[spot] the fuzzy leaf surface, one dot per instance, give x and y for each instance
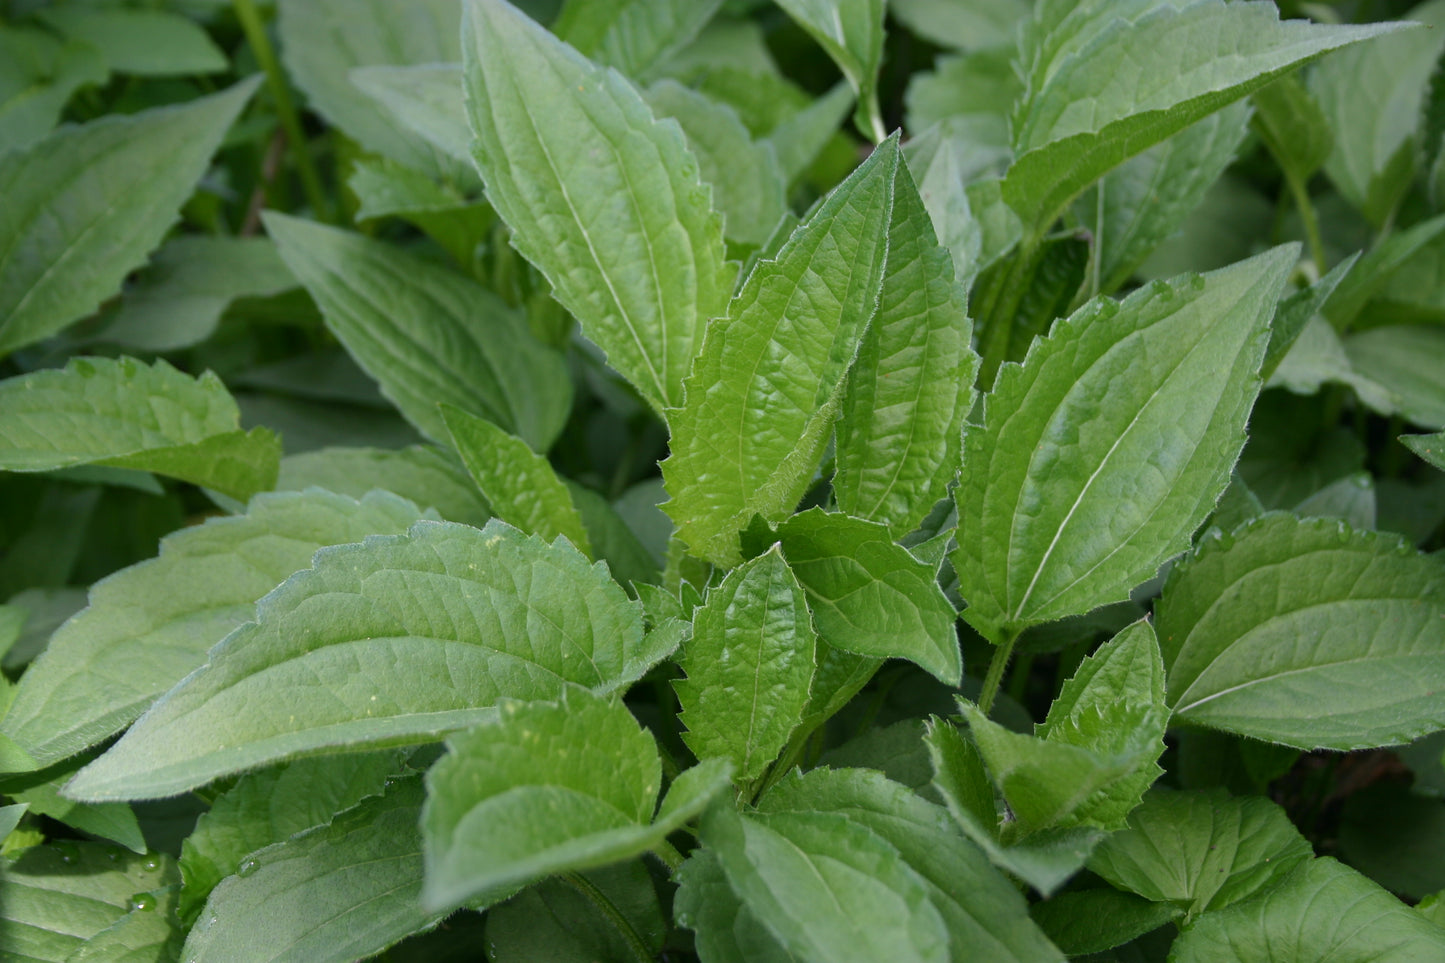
(749, 666)
(126, 414)
(394, 641)
(428, 335)
(604, 199)
(146, 626)
(762, 396)
(1429, 447)
(1263, 630)
(1081, 483)
(85, 206)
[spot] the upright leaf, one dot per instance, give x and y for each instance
(1056, 516)
(85, 206)
(148, 625)
(582, 764)
(519, 484)
(762, 395)
(394, 641)
(749, 667)
(428, 335)
(1321, 911)
(362, 879)
(1109, 85)
(604, 199)
(126, 414)
(637, 37)
(1200, 850)
(901, 420)
(852, 33)
(1329, 638)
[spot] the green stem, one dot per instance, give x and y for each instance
(260, 44)
(1300, 191)
(599, 899)
(996, 669)
(1018, 683)
(669, 855)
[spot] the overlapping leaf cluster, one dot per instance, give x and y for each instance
(619, 514)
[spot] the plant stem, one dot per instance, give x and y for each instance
(260, 44)
(605, 906)
(996, 669)
(1300, 191)
(669, 855)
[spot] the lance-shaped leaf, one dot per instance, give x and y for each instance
(362, 879)
(148, 625)
(426, 98)
(749, 667)
(828, 888)
(1116, 85)
(419, 474)
(1321, 911)
(604, 199)
(1329, 638)
(1200, 850)
(1080, 483)
(852, 33)
(84, 206)
(1094, 756)
(762, 396)
(549, 787)
(428, 335)
(520, 484)
(869, 595)
(394, 641)
(59, 896)
(126, 414)
(901, 424)
(1429, 447)
(271, 805)
(985, 916)
(635, 36)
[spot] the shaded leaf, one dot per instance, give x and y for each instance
(637, 37)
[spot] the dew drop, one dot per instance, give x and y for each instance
(248, 866)
(144, 902)
(152, 864)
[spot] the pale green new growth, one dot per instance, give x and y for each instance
(604, 199)
(852, 33)
(1318, 616)
(84, 206)
(126, 414)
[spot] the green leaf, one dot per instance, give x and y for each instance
(560, 922)
(520, 485)
(869, 596)
(1104, 85)
(828, 888)
(367, 33)
(409, 637)
(428, 335)
(426, 98)
(1320, 911)
(637, 37)
(726, 931)
(1094, 756)
(1088, 921)
(968, 95)
(604, 199)
(38, 75)
(1055, 515)
(1318, 616)
(87, 204)
(419, 474)
(127, 414)
(1429, 447)
(748, 186)
(984, 915)
(179, 298)
(148, 625)
(1021, 294)
(901, 419)
(799, 138)
(1292, 125)
(1392, 256)
(964, 26)
(148, 932)
(852, 34)
(41, 792)
(269, 806)
(761, 397)
(154, 43)
(1396, 837)
(1146, 199)
(613, 539)
(549, 787)
(1201, 850)
(59, 896)
(749, 667)
(1371, 97)
(361, 876)
(1404, 361)
(1297, 311)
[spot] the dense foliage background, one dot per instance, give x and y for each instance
(269, 286)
